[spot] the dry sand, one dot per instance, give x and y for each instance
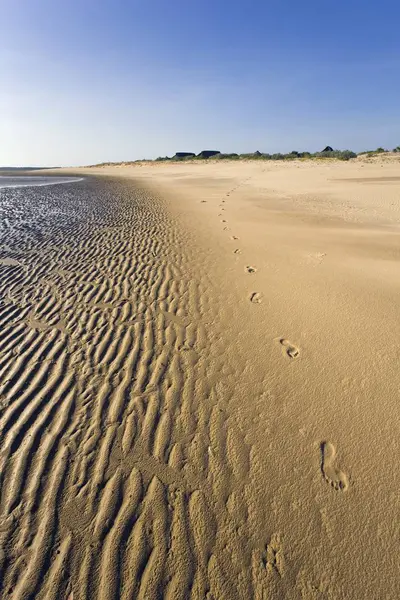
(202, 399)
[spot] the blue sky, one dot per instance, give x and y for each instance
(90, 81)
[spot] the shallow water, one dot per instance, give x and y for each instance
(29, 181)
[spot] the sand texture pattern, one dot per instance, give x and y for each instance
(119, 466)
(199, 384)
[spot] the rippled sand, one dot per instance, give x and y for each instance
(199, 384)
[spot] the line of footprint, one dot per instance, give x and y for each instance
(331, 473)
(289, 349)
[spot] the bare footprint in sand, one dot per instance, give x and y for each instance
(251, 270)
(331, 473)
(289, 349)
(256, 298)
(234, 237)
(237, 251)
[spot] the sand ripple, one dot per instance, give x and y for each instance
(121, 474)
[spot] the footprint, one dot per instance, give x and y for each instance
(203, 200)
(256, 298)
(234, 237)
(227, 228)
(331, 473)
(289, 349)
(273, 557)
(237, 251)
(251, 270)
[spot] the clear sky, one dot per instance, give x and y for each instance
(85, 81)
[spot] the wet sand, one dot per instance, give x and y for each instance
(199, 384)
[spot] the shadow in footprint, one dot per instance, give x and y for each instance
(289, 349)
(256, 298)
(250, 270)
(332, 473)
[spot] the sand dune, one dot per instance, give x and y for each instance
(199, 384)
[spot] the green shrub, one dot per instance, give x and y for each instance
(346, 154)
(231, 156)
(339, 154)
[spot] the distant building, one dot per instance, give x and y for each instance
(208, 153)
(184, 155)
(328, 149)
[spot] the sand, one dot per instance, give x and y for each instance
(200, 386)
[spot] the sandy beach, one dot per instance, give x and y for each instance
(199, 383)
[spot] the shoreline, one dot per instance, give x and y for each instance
(298, 285)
